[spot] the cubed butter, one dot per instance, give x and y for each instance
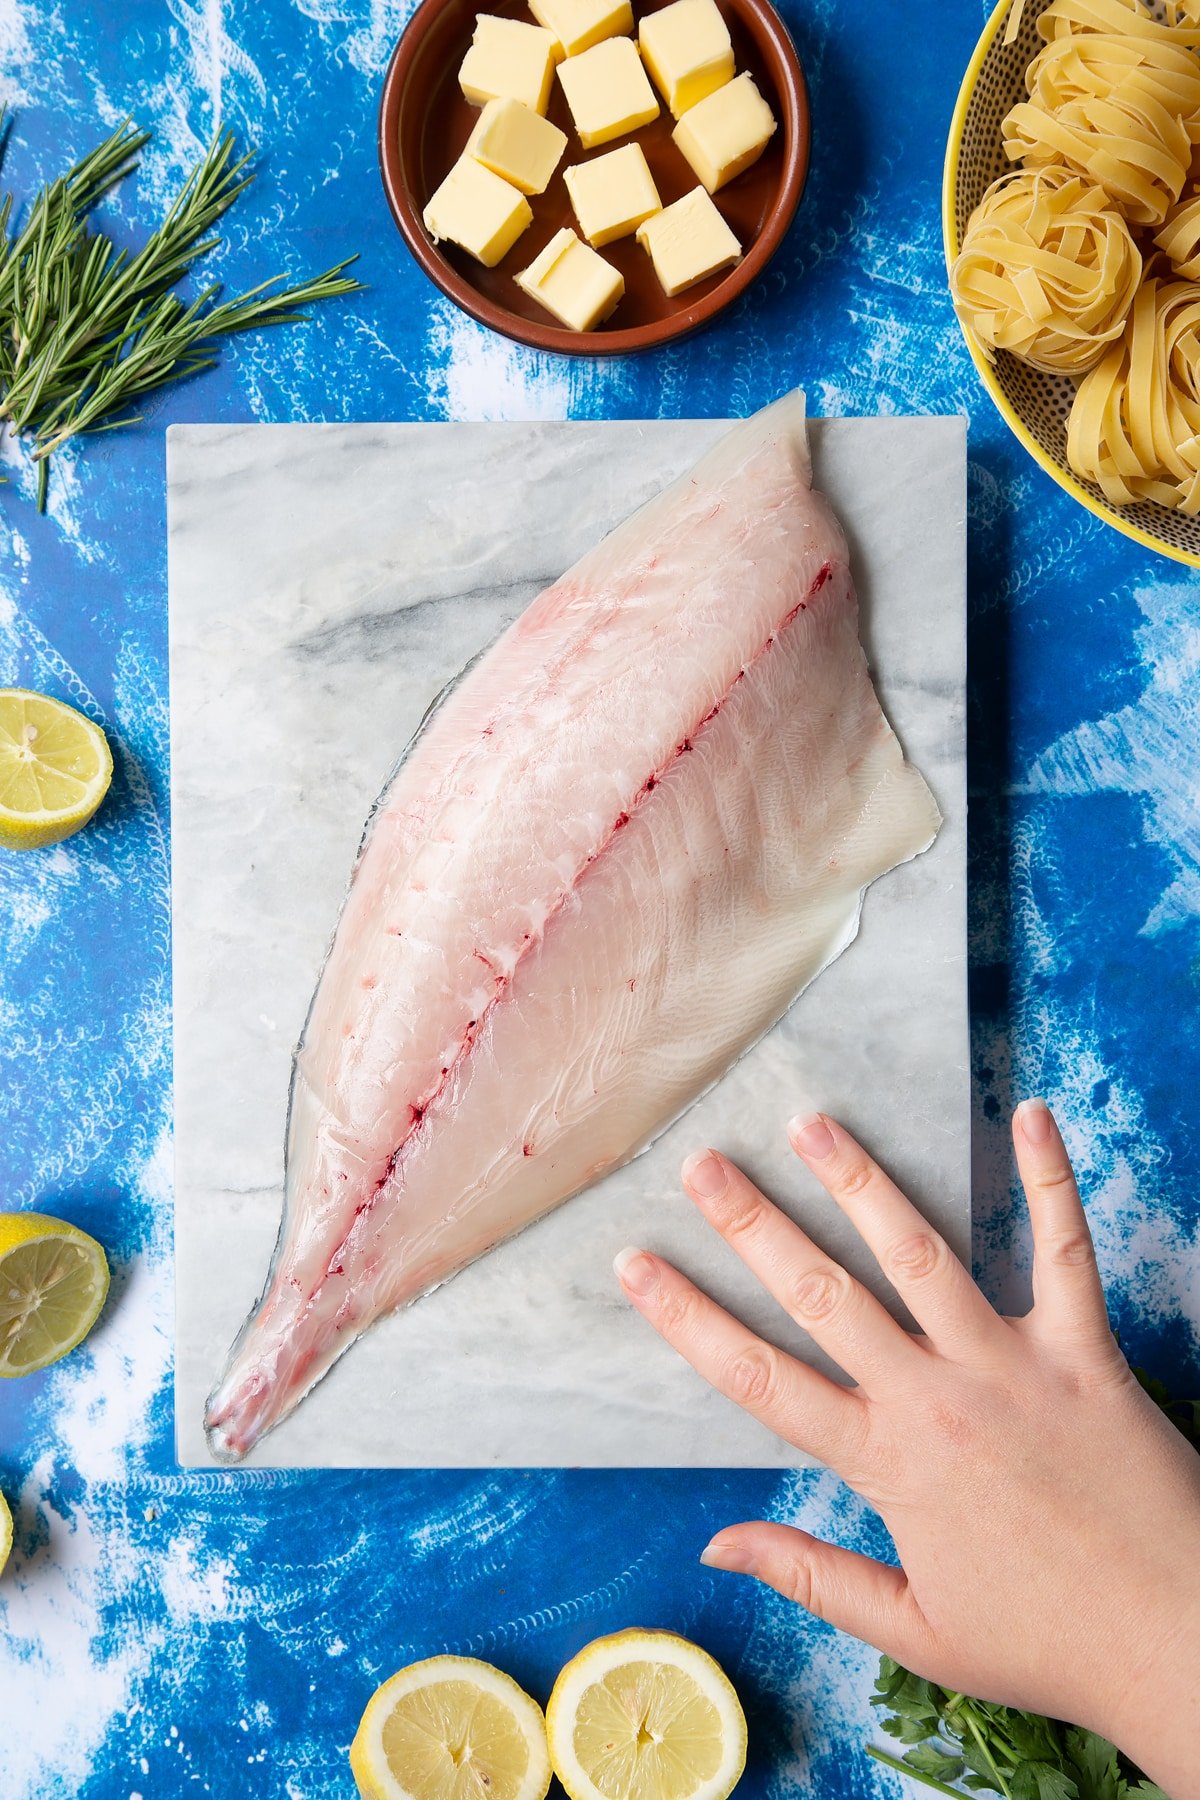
(572, 282)
(478, 211)
(612, 194)
(607, 91)
(509, 60)
(578, 24)
(687, 49)
(515, 142)
(725, 133)
(687, 241)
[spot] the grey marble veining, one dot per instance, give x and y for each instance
(325, 582)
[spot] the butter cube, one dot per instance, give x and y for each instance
(725, 133)
(578, 24)
(572, 282)
(688, 51)
(612, 194)
(478, 211)
(688, 241)
(607, 91)
(518, 144)
(509, 60)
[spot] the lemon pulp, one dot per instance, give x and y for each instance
(645, 1715)
(53, 1281)
(450, 1739)
(55, 769)
(451, 1728)
(646, 1732)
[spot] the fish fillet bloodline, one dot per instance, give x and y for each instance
(420, 1110)
(635, 830)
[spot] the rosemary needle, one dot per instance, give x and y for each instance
(86, 329)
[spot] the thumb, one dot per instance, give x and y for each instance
(868, 1599)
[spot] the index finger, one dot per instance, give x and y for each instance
(916, 1259)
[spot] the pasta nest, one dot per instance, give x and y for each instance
(1179, 237)
(1122, 110)
(1134, 427)
(1048, 269)
(1180, 23)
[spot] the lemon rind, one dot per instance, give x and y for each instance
(368, 1765)
(19, 1229)
(43, 828)
(598, 1659)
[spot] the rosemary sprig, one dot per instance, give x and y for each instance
(86, 329)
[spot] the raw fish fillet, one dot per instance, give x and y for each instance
(612, 857)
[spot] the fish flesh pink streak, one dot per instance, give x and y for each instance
(613, 856)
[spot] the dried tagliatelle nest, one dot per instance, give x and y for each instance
(1179, 237)
(1048, 270)
(1118, 109)
(1135, 425)
(1085, 261)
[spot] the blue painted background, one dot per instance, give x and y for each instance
(166, 1634)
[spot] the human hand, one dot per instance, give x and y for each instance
(1046, 1514)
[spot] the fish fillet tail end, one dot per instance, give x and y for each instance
(271, 1369)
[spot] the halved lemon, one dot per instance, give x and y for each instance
(5, 1532)
(53, 1280)
(451, 1728)
(646, 1715)
(55, 769)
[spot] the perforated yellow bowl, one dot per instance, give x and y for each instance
(1034, 405)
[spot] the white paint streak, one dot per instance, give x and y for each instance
(1150, 749)
(368, 48)
(17, 61)
(476, 374)
(54, 1678)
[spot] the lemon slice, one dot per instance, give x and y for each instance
(451, 1728)
(55, 767)
(645, 1715)
(53, 1279)
(5, 1532)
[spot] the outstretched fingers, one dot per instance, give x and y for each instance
(916, 1259)
(798, 1404)
(1068, 1294)
(868, 1599)
(838, 1313)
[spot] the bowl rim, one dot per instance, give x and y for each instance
(555, 339)
(1065, 479)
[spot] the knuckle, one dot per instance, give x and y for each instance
(1056, 1175)
(854, 1177)
(676, 1312)
(918, 1257)
(741, 1216)
(819, 1293)
(753, 1379)
(800, 1585)
(1072, 1250)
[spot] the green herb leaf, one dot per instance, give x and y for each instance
(87, 330)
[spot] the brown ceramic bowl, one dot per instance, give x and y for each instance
(424, 123)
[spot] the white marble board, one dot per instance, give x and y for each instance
(325, 582)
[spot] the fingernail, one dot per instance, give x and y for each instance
(635, 1271)
(811, 1136)
(1036, 1121)
(728, 1556)
(705, 1174)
